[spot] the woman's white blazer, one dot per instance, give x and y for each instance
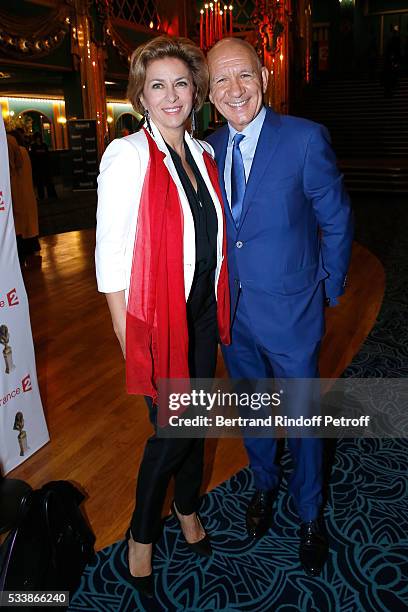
(120, 182)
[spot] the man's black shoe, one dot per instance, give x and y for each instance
(314, 546)
(259, 513)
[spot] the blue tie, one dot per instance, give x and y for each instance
(237, 179)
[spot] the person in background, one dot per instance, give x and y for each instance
(15, 165)
(161, 261)
(40, 160)
(27, 224)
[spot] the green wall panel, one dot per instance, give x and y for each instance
(18, 106)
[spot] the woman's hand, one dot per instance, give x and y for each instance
(117, 306)
(121, 336)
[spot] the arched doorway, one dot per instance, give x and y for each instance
(39, 123)
(126, 124)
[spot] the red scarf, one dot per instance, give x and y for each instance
(156, 320)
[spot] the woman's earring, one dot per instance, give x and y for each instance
(147, 120)
(193, 122)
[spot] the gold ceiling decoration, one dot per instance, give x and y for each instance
(124, 49)
(33, 36)
(140, 13)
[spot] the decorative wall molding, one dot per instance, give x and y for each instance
(273, 21)
(269, 18)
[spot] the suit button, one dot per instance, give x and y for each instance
(239, 244)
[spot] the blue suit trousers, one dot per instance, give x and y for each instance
(248, 358)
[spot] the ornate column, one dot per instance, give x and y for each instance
(60, 125)
(89, 60)
(305, 19)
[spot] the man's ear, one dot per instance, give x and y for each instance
(211, 97)
(264, 77)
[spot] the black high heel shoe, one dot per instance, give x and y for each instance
(142, 584)
(203, 546)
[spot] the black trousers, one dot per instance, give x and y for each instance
(178, 457)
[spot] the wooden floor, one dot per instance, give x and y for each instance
(97, 431)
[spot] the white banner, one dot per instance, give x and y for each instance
(22, 424)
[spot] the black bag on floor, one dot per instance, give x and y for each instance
(51, 543)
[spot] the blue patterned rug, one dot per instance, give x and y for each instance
(367, 569)
(366, 513)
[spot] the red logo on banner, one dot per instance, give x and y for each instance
(12, 298)
(2, 204)
(26, 384)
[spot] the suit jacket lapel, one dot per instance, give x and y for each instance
(266, 148)
(220, 144)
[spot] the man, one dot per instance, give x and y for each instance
(289, 233)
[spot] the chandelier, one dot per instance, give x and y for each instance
(216, 22)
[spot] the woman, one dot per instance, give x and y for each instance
(41, 162)
(26, 221)
(15, 166)
(160, 259)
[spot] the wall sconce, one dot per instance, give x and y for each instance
(62, 120)
(109, 119)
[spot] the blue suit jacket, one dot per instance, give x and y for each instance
(292, 247)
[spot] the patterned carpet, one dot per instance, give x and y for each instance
(366, 513)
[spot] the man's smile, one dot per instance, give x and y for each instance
(238, 104)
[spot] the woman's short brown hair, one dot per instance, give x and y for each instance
(158, 48)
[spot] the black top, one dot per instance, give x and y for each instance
(203, 211)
